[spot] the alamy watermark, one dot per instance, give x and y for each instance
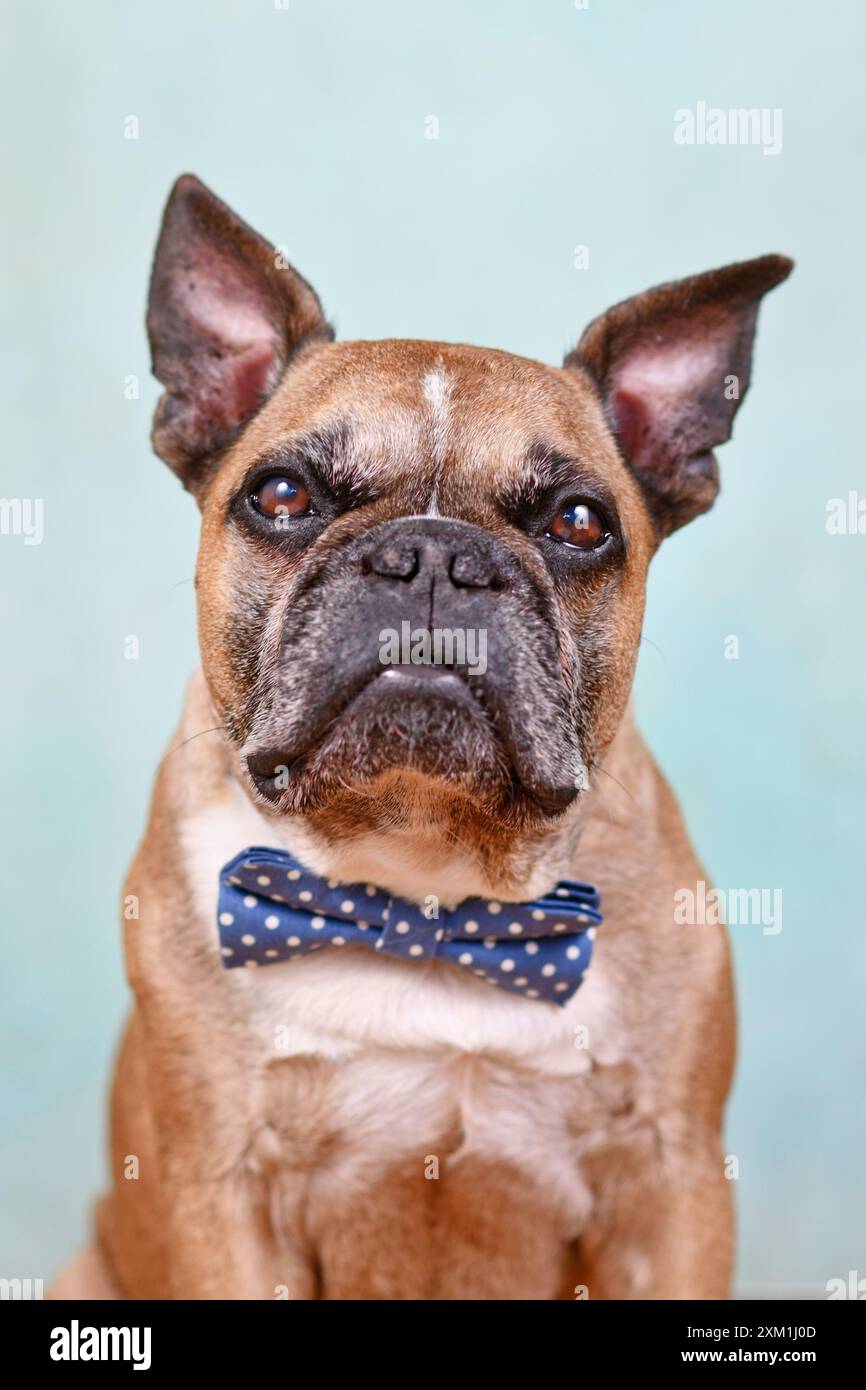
(851, 1287)
(22, 516)
(436, 646)
(77, 1343)
(846, 516)
(717, 125)
(735, 907)
(22, 1289)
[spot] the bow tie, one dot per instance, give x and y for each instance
(272, 909)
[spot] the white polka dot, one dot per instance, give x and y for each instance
(271, 954)
(479, 972)
(548, 970)
(402, 928)
(271, 922)
(591, 933)
(465, 958)
(538, 915)
(275, 897)
(248, 940)
(293, 941)
(438, 934)
(562, 892)
(561, 986)
(573, 952)
(317, 923)
(560, 926)
(515, 928)
(370, 890)
(521, 980)
(494, 907)
(293, 874)
(507, 965)
(250, 964)
(332, 883)
(226, 919)
(532, 994)
(490, 942)
(582, 917)
(347, 906)
(250, 901)
(416, 950)
(531, 948)
(227, 951)
(492, 982)
(234, 880)
(263, 880)
(305, 896)
(338, 941)
(363, 926)
(470, 927)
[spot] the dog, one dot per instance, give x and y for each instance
(357, 1124)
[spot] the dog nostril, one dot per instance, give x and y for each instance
(469, 570)
(393, 561)
(268, 763)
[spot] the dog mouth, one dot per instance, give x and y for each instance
(439, 721)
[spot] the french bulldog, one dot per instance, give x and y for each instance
(352, 1123)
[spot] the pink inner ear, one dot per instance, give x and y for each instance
(247, 380)
(225, 309)
(657, 389)
(631, 421)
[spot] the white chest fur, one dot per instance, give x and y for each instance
(418, 1045)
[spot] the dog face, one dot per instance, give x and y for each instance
(422, 487)
(422, 566)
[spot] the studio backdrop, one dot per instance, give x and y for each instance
(473, 172)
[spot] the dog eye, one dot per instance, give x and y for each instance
(578, 525)
(280, 496)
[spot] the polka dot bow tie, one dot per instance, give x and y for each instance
(272, 909)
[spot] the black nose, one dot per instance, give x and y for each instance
(422, 549)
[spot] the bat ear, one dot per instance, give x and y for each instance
(225, 314)
(673, 365)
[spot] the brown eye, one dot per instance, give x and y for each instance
(577, 524)
(281, 497)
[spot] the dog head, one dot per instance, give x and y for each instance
(422, 566)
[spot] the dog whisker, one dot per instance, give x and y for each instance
(597, 767)
(217, 728)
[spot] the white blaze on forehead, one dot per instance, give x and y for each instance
(436, 386)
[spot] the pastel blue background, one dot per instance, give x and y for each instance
(555, 129)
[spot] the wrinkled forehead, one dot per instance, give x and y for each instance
(431, 421)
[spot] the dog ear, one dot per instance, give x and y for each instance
(673, 365)
(225, 314)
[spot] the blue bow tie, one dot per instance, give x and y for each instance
(272, 909)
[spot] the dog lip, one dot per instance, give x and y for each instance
(423, 677)
(266, 763)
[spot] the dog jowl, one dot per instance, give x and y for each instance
(349, 488)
